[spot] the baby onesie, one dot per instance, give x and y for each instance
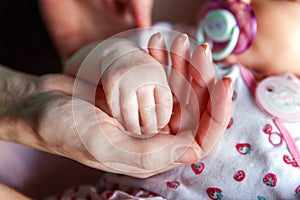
(252, 161)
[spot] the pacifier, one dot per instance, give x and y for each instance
(229, 27)
(279, 96)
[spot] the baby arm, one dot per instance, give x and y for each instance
(135, 84)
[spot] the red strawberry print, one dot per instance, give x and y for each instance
(294, 163)
(297, 192)
(214, 193)
(239, 175)
(298, 189)
(230, 123)
(287, 159)
(275, 138)
(109, 194)
(173, 184)
(267, 128)
(234, 95)
(270, 180)
(290, 161)
(243, 148)
(198, 167)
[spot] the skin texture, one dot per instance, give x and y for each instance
(9, 193)
(146, 101)
(91, 20)
(275, 48)
(39, 113)
(71, 24)
(204, 78)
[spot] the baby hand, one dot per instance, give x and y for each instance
(137, 90)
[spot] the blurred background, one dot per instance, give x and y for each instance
(25, 44)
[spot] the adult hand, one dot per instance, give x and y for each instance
(197, 93)
(74, 23)
(213, 100)
(49, 114)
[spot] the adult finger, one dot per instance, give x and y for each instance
(180, 55)
(157, 48)
(128, 154)
(105, 138)
(203, 74)
(53, 12)
(143, 12)
(215, 119)
(180, 77)
(203, 71)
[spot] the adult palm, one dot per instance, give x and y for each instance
(54, 117)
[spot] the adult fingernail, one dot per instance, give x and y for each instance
(160, 44)
(230, 83)
(207, 50)
(159, 36)
(186, 42)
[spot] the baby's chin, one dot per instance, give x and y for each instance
(262, 73)
(259, 75)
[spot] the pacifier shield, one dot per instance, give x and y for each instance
(279, 96)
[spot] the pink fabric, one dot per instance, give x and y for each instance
(39, 174)
(246, 165)
(291, 144)
(252, 83)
